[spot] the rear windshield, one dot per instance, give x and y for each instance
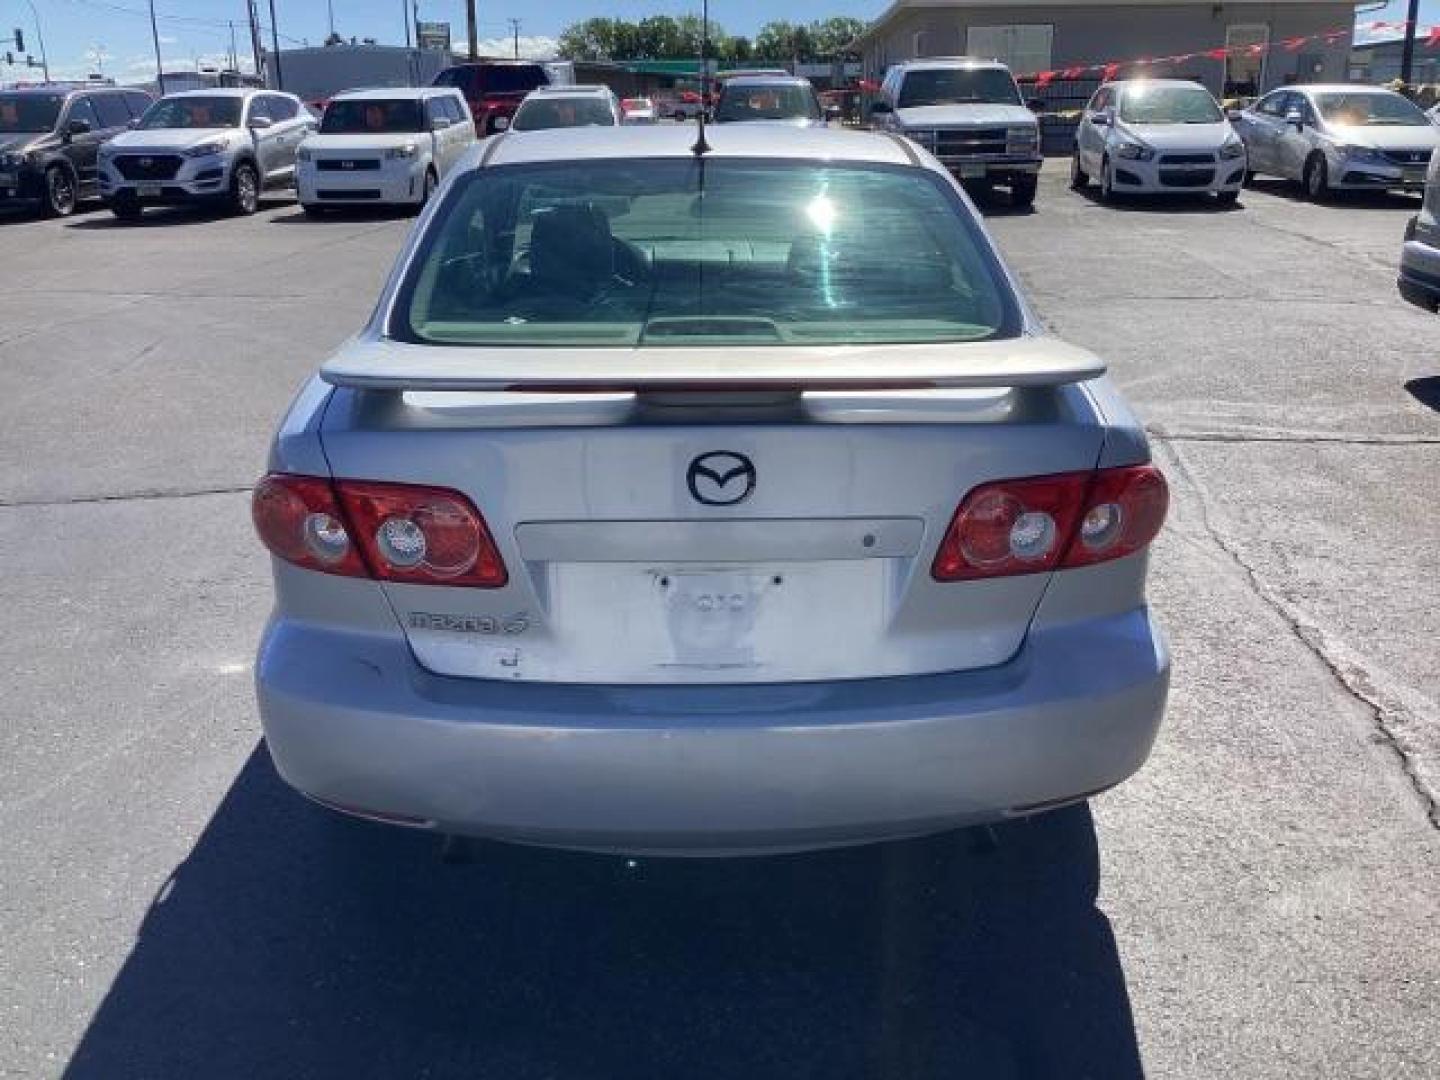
(720, 252)
(1370, 110)
(29, 112)
(543, 113)
(1169, 105)
(192, 112)
(378, 117)
(957, 86)
(782, 101)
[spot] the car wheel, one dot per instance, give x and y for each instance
(428, 191)
(1022, 191)
(1249, 178)
(1079, 180)
(1107, 181)
(1317, 178)
(126, 207)
(244, 189)
(60, 190)
(1227, 198)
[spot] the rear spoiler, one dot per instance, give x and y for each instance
(1012, 362)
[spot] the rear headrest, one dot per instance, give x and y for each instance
(571, 247)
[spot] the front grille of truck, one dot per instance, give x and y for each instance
(981, 142)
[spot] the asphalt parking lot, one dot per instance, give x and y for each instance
(1261, 901)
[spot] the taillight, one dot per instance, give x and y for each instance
(1034, 525)
(428, 535)
(299, 520)
(362, 528)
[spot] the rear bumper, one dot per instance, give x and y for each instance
(354, 720)
(1420, 274)
(402, 182)
(1367, 176)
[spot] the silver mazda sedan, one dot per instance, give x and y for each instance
(707, 494)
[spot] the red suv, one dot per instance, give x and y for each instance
(493, 88)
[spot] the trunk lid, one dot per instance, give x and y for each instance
(688, 538)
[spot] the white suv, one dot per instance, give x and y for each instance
(970, 115)
(388, 146)
(221, 146)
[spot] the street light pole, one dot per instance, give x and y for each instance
(40, 35)
(1407, 58)
(471, 35)
(274, 40)
(159, 66)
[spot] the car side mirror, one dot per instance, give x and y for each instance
(1234, 115)
(260, 123)
(881, 108)
(1035, 105)
(440, 123)
(501, 123)
(78, 127)
(1296, 119)
(1100, 119)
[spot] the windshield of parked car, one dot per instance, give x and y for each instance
(390, 117)
(1169, 105)
(1369, 110)
(697, 252)
(777, 101)
(192, 112)
(957, 86)
(542, 113)
(29, 112)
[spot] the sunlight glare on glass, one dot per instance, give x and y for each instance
(822, 213)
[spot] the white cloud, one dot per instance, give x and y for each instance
(537, 47)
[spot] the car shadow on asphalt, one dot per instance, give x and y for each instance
(996, 202)
(292, 942)
(1426, 391)
(160, 217)
(1177, 203)
(1350, 200)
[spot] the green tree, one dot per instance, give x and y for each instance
(832, 37)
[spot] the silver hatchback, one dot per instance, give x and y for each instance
(707, 498)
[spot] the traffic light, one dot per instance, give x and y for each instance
(9, 58)
(19, 40)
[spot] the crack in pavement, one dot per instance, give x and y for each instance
(1389, 715)
(127, 496)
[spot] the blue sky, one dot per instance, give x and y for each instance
(118, 31)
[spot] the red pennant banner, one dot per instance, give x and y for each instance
(1292, 44)
(1433, 40)
(1217, 54)
(1044, 79)
(1110, 71)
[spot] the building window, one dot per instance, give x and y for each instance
(1025, 49)
(1244, 68)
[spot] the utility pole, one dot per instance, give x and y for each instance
(330, 9)
(471, 37)
(1407, 58)
(405, 18)
(159, 64)
(255, 48)
(40, 34)
(234, 60)
(275, 40)
(515, 35)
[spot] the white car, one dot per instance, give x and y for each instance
(1157, 137)
(566, 107)
(1339, 138)
(220, 147)
(640, 110)
(383, 147)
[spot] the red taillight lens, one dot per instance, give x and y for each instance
(1032, 526)
(363, 528)
(428, 535)
(1124, 510)
(298, 519)
(1011, 527)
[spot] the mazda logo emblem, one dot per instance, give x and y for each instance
(720, 478)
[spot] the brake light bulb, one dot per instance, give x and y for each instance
(1102, 526)
(1032, 536)
(325, 537)
(401, 542)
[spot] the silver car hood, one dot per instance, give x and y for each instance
(964, 116)
(168, 138)
(1387, 138)
(1199, 137)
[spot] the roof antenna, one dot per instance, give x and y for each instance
(701, 147)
